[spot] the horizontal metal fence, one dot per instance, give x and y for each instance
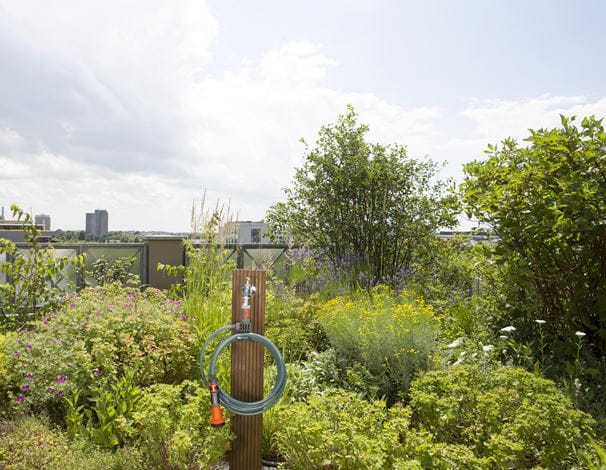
(92, 252)
(248, 256)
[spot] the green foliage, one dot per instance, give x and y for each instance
(34, 276)
(515, 418)
(106, 271)
(393, 338)
(206, 287)
(30, 443)
(596, 461)
(173, 427)
(351, 197)
(547, 203)
(97, 335)
(107, 418)
(336, 430)
(292, 324)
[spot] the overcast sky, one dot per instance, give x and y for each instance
(137, 107)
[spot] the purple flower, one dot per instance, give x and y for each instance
(25, 388)
(60, 393)
(97, 372)
(184, 316)
(16, 354)
(72, 305)
(50, 389)
(20, 398)
(28, 346)
(29, 377)
(60, 379)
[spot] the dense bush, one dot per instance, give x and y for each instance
(508, 415)
(546, 202)
(99, 334)
(335, 430)
(292, 323)
(393, 338)
(31, 443)
(172, 423)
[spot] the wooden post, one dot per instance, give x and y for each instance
(247, 373)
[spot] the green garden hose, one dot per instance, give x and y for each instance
(220, 397)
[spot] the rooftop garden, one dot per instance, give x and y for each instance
(403, 351)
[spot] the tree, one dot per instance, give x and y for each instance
(547, 203)
(360, 200)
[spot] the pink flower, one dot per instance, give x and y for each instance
(30, 377)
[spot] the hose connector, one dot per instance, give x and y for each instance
(216, 413)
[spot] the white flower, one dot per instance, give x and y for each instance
(580, 334)
(456, 343)
(463, 353)
(508, 329)
(503, 337)
(540, 322)
(487, 348)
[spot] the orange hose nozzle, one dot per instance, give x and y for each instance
(216, 416)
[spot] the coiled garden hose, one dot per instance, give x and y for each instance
(217, 394)
(232, 404)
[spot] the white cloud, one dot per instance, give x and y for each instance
(122, 114)
(110, 105)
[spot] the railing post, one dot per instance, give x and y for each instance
(247, 373)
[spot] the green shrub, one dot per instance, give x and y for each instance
(99, 334)
(392, 337)
(516, 418)
(292, 325)
(30, 443)
(172, 422)
(338, 430)
(334, 430)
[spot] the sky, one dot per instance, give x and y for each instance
(140, 107)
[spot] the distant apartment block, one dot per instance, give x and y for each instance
(44, 220)
(247, 232)
(13, 229)
(97, 223)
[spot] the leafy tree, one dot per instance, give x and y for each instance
(32, 277)
(547, 203)
(361, 201)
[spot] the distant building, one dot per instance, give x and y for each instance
(44, 220)
(247, 232)
(13, 229)
(97, 223)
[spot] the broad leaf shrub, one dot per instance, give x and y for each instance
(335, 430)
(30, 442)
(292, 323)
(338, 430)
(514, 418)
(99, 334)
(392, 337)
(172, 423)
